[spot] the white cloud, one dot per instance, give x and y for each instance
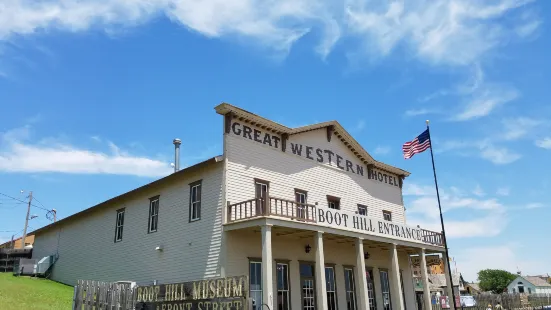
(438, 31)
(534, 205)
(503, 191)
(484, 101)
(381, 150)
(484, 149)
(478, 191)
(544, 143)
(516, 128)
(505, 256)
(418, 112)
(487, 217)
(17, 155)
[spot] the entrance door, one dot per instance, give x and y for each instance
(261, 195)
(419, 300)
(308, 287)
(385, 288)
(370, 289)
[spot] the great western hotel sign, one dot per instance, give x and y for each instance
(320, 155)
(360, 223)
(213, 294)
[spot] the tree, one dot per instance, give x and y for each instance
(495, 280)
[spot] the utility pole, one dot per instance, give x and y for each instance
(26, 220)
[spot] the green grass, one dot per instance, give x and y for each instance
(33, 293)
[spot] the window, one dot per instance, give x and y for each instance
(255, 284)
(195, 201)
(331, 288)
(153, 214)
(261, 194)
(283, 300)
(387, 216)
(529, 290)
(362, 210)
(333, 202)
(119, 225)
(350, 289)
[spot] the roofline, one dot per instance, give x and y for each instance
(530, 281)
(142, 188)
(225, 108)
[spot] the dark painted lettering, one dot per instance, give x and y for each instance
(309, 150)
(403, 232)
(380, 227)
(345, 219)
(321, 216)
(349, 166)
(267, 139)
(247, 132)
(397, 228)
(387, 228)
(257, 136)
(380, 176)
(360, 170)
(390, 180)
(235, 127)
(385, 176)
(319, 152)
(276, 141)
(296, 148)
(339, 159)
(355, 222)
(329, 153)
(395, 183)
(338, 219)
(329, 217)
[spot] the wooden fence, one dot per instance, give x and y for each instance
(94, 295)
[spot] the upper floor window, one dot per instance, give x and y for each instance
(333, 202)
(195, 201)
(119, 225)
(301, 196)
(261, 188)
(387, 216)
(153, 214)
(362, 209)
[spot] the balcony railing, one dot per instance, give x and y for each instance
(277, 207)
(303, 212)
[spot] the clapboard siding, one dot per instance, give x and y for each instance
(245, 245)
(248, 159)
(87, 249)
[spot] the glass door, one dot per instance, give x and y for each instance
(371, 289)
(308, 288)
(330, 288)
(385, 289)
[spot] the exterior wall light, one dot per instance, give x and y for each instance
(307, 248)
(366, 255)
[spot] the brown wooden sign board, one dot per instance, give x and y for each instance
(211, 294)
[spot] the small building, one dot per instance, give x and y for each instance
(473, 288)
(529, 285)
(16, 244)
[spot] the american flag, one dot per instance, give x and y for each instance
(418, 145)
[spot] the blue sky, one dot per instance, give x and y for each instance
(91, 96)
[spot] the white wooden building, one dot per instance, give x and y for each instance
(306, 213)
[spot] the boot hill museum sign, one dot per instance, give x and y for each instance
(211, 294)
(313, 153)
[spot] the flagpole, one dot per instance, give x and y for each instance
(441, 219)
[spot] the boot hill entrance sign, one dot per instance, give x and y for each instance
(211, 294)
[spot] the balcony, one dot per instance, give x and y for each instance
(274, 207)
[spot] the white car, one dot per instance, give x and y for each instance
(467, 301)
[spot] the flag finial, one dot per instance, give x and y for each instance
(427, 121)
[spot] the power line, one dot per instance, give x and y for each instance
(24, 202)
(39, 201)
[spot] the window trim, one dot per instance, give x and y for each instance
(261, 181)
(336, 291)
(119, 211)
(353, 285)
(191, 186)
(301, 191)
(389, 213)
(151, 200)
(335, 200)
(360, 206)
